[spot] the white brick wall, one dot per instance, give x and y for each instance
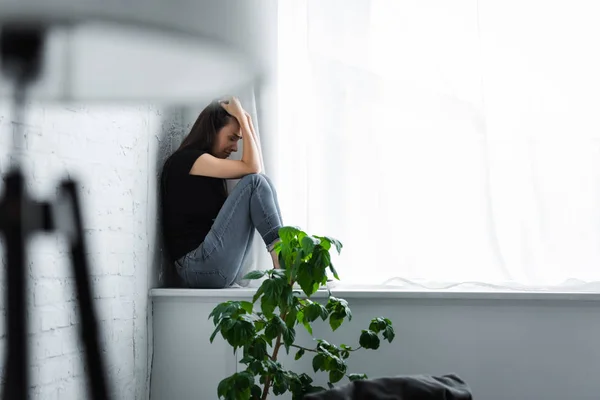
(107, 149)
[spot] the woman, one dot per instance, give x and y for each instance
(207, 232)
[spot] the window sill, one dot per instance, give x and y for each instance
(247, 293)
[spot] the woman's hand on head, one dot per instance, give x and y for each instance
(248, 117)
(233, 106)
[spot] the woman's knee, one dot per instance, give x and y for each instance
(269, 182)
(254, 179)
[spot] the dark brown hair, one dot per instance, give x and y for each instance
(208, 124)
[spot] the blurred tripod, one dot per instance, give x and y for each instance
(21, 48)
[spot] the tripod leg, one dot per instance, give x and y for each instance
(89, 325)
(11, 210)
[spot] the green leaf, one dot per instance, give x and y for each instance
(259, 292)
(256, 392)
(318, 362)
(308, 244)
(243, 380)
(277, 273)
(275, 327)
(267, 306)
(224, 387)
(305, 379)
(301, 235)
(254, 274)
(256, 367)
(277, 247)
(299, 354)
(319, 276)
(357, 377)
(312, 312)
(273, 289)
(377, 324)
(227, 323)
(334, 272)
(247, 360)
(243, 331)
(323, 344)
(335, 320)
(286, 256)
(288, 233)
(217, 312)
(300, 318)
(308, 328)
(324, 312)
(338, 245)
(323, 258)
(338, 364)
(279, 387)
(271, 331)
(306, 281)
(247, 306)
(258, 349)
(369, 340)
(290, 318)
(324, 242)
(259, 325)
(287, 298)
(217, 329)
(347, 311)
(289, 335)
(271, 366)
(389, 333)
(237, 332)
(335, 376)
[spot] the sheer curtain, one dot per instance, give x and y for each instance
(446, 144)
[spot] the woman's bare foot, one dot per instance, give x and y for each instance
(275, 260)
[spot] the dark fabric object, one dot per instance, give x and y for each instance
(417, 387)
(190, 203)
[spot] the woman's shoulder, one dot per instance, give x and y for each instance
(184, 156)
(180, 162)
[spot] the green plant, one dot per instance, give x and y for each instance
(260, 334)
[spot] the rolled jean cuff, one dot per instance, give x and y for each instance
(271, 237)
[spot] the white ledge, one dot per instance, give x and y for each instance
(246, 293)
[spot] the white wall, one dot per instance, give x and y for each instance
(107, 149)
(505, 346)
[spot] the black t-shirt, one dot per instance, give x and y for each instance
(190, 203)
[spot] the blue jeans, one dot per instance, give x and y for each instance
(251, 205)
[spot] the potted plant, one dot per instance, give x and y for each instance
(267, 325)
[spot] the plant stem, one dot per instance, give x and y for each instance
(273, 358)
(303, 348)
(268, 378)
(316, 351)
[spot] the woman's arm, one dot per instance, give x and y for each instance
(250, 151)
(209, 165)
(260, 159)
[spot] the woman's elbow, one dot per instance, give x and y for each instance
(255, 169)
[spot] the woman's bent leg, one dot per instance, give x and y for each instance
(275, 199)
(216, 263)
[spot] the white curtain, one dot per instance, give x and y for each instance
(447, 144)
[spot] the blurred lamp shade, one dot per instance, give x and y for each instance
(173, 51)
